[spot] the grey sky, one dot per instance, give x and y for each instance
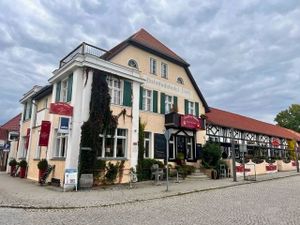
(244, 55)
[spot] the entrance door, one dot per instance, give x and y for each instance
(181, 145)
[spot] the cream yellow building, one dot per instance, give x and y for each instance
(146, 80)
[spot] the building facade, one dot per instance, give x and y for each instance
(146, 82)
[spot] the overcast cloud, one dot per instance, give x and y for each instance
(244, 55)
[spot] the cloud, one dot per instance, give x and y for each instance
(244, 54)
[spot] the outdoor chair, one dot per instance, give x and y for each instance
(223, 171)
(156, 173)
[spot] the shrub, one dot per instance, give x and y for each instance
(257, 160)
(185, 170)
(144, 172)
(12, 162)
(112, 172)
(23, 163)
(270, 160)
(43, 164)
(100, 165)
(211, 155)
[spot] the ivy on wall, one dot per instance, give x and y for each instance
(101, 121)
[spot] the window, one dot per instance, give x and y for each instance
(133, 63)
(27, 110)
(23, 152)
(114, 85)
(189, 148)
(113, 146)
(37, 154)
(180, 80)
(61, 145)
(147, 100)
(64, 91)
(147, 144)
(171, 148)
(46, 103)
(168, 103)
(153, 66)
(191, 107)
(164, 70)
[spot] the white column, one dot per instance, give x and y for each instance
(32, 123)
(135, 123)
(76, 121)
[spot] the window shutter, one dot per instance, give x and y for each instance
(175, 104)
(197, 109)
(186, 106)
(155, 101)
(127, 93)
(57, 98)
(70, 86)
(162, 103)
(141, 97)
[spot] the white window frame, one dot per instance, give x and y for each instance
(27, 114)
(169, 100)
(147, 98)
(191, 108)
(189, 142)
(58, 149)
(64, 90)
(115, 141)
(164, 70)
(23, 152)
(113, 90)
(37, 154)
(148, 139)
(171, 141)
(153, 66)
(132, 63)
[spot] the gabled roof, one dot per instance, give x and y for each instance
(13, 124)
(46, 90)
(144, 40)
(232, 120)
(3, 134)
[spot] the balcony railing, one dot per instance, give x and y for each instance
(83, 48)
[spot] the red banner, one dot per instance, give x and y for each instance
(240, 169)
(27, 138)
(61, 108)
(190, 121)
(275, 142)
(271, 167)
(44, 134)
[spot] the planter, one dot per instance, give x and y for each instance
(22, 172)
(41, 173)
(12, 170)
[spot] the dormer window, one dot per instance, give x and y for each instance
(180, 81)
(132, 63)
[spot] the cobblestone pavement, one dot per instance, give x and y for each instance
(273, 202)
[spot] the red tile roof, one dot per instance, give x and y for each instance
(142, 37)
(13, 124)
(232, 120)
(3, 134)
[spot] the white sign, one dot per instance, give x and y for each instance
(64, 125)
(71, 176)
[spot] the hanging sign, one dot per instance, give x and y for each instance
(275, 142)
(190, 122)
(44, 134)
(64, 125)
(61, 108)
(6, 147)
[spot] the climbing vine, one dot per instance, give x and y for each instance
(101, 121)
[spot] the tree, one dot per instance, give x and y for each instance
(289, 118)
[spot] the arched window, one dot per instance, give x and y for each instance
(133, 63)
(180, 80)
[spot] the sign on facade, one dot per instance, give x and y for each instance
(61, 108)
(6, 147)
(44, 134)
(71, 176)
(64, 125)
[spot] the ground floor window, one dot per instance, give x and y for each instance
(61, 145)
(113, 146)
(171, 148)
(147, 144)
(37, 154)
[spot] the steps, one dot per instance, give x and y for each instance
(197, 175)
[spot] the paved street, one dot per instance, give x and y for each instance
(269, 202)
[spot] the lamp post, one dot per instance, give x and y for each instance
(233, 154)
(297, 162)
(167, 134)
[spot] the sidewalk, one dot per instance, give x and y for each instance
(23, 193)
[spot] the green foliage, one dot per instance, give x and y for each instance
(100, 165)
(258, 160)
(42, 164)
(101, 121)
(185, 170)
(13, 162)
(112, 172)
(144, 172)
(221, 162)
(23, 163)
(141, 148)
(289, 118)
(211, 155)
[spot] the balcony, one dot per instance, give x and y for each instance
(83, 48)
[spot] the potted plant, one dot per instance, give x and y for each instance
(23, 166)
(180, 158)
(12, 163)
(42, 166)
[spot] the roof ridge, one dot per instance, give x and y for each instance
(10, 120)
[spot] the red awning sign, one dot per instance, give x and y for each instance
(44, 134)
(61, 108)
(190, 121)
